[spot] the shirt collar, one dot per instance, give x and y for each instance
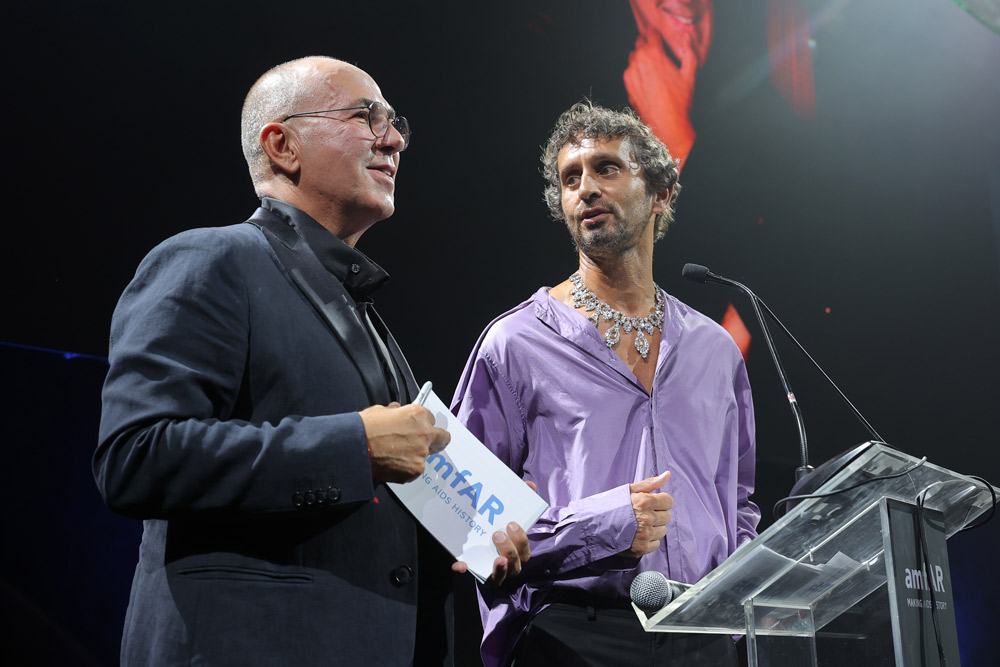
(580, 331)
(360, 275)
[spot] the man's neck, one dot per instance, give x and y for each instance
(625, 282)
(335, 221)
(329, 217)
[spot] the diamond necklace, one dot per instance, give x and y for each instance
(584, 298)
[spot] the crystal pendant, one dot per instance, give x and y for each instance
(627, 325)
(593, 319)
(613, 335)
(641, 344)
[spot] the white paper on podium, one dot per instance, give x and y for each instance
(466, 494)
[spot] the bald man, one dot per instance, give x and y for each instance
(252, 412)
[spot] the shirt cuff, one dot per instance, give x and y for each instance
(612, 526)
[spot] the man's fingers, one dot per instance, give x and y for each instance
(422, 414)
(651, 534)
(513, 549)
(400, 438)
(641, 42)
(519, 539)
(652, 514)
(659, 516)
(653, 501)
(499, 571)
(659, 502)
(688, 57)
(440, 440)
(650, 483)
(505, 546)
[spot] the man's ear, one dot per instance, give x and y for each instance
(281, 146)
(661, 200)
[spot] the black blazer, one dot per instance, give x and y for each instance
(230, 427)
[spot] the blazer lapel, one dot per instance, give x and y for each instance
(328, 296)
(397, 355)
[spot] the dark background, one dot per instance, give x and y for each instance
(871, 229)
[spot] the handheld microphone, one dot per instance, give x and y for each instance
(701, 274)
(651, 591)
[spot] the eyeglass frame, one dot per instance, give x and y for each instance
(393, 120)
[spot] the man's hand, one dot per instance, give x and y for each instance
(513, 549)
(400, 439)
(652, 514)
(661, 92)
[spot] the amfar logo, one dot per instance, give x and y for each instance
(473, 492)
(917, 579)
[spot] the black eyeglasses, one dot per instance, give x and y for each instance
(378, 120)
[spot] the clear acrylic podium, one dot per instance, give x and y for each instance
(842, 580)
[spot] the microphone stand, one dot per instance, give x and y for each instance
(843, 396)
(805, 468)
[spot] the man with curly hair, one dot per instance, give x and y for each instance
(630, 410)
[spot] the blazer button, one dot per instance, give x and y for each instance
(320, 496)
(297, 499)
(310, 498)
(333, 493)
(402, 575)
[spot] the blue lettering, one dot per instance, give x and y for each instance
(442, 462)
(459, 477)
(493, 506)
(472, 491)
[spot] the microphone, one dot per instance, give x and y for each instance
(651, 591)
(699, 273)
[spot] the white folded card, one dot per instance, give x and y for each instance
(466, 494)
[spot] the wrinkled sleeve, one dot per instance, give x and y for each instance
(168, 442)
(747, 513)
(585, 536)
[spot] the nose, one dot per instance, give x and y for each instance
(589, 187)
(391, 142)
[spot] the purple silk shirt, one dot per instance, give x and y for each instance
(551, 400)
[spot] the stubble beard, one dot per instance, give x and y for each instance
(609, 239)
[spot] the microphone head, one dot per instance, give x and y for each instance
(695, 272)
(650, 591)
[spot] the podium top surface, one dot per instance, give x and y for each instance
(827, 549)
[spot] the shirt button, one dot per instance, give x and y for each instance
(355, 268)
(402, 575)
